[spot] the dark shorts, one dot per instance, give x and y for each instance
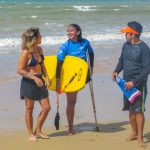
(139, 104)
(30, 89)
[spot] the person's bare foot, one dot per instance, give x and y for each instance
(71, 132)
(32, 138)
(131, 137)
(141, 142)
(40, 134)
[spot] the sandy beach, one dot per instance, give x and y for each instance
(113, 122)
(112, 136)
(101, 22)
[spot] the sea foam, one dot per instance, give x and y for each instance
(107, 38)
(85, 8)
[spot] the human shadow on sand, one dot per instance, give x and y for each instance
(147, 137)
(90, 127)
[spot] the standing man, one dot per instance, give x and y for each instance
(135, 63)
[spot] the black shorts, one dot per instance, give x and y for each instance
(139, 104)
(30, 89)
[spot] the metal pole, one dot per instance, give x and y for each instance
(93, 103)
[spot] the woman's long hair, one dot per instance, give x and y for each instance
(29, 38)
(77, 27)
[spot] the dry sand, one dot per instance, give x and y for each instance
(113, 122)
(112, 136)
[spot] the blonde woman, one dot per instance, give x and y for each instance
(33, 87)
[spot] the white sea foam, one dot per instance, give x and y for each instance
(28, 3)
(16, 42)
(34, 16)
(85, 8)
(125, 6)
(53, 24)
(116, 9)
(12, 44)
(53, 40)
(104, 37)
(39, 6)
(146, 34)
(9, 42)
(46, 23)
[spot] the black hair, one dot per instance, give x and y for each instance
(77, 27)
(137, 36)
(137, 27)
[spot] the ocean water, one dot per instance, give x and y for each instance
(100, 21)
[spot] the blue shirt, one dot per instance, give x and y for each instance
(77, 49)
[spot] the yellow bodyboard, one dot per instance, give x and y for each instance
(73, 73)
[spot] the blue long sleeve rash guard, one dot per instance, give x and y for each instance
(77, 49)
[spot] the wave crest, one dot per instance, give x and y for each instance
(11, 43)
(85, 8)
